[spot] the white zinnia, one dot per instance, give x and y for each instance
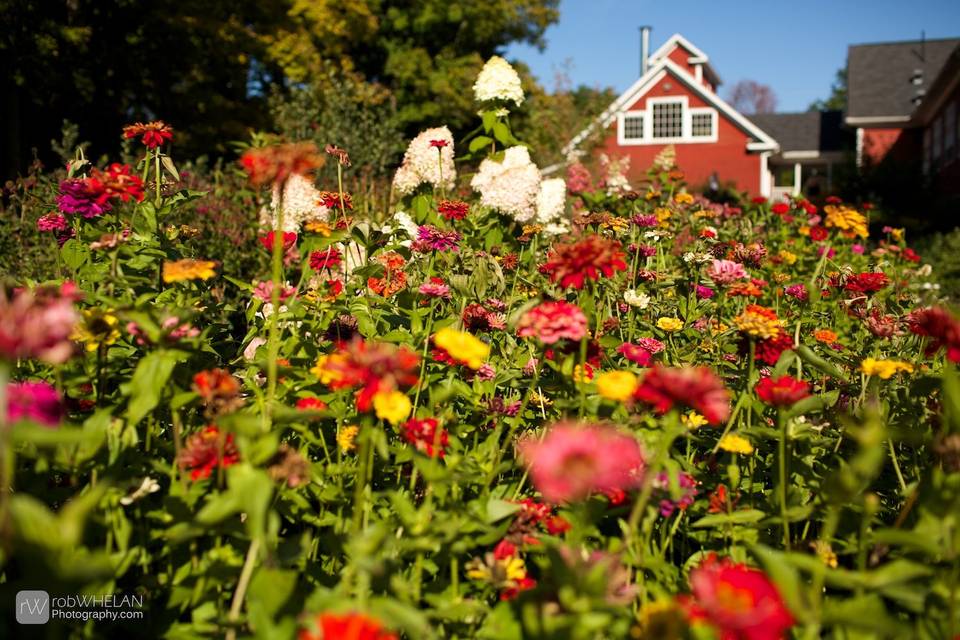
(511, 185)
(498, 81)
(634, 299)
(421, 163)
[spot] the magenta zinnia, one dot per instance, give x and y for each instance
(698, 388)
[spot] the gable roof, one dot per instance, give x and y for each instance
(696, 55)
(811, 131)
(939, 90)
(879, 77)
(664, 65)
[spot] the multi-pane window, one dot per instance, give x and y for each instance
(633, 126)
(701, 124)
(667, 120)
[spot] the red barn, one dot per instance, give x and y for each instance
(674, 102)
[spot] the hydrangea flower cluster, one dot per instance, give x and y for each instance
(421, 164)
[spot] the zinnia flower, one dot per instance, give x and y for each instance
(574, 460)
(119, 183)
(884, 369)
(371, 367)
(867, 282)
(453, 209)
(328, 258)
(462, 347)
(849, 221)
(276, 163)
(37, 323)
(426, 436)
(392, 406)
(782, 392)
(348, 626)
(152, 135)
(207, 450)
(734, 443)
(98, 328)
(759, 322)
(432, 238)
(188, 269)
(695, 387)
(635, 353)
(38, 402)
(670, 325)
(498, 81)
(84, 196)
(740, 601)
(616, 385)
(569, 264)
(436, 288)
(724, 272)
(553, 321)
(937, 323)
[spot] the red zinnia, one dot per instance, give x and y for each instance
(740, 601)
(937, 323)
(867, 282)
(570, 263)
(152, 134)
(426, 436)
(117, 182)
(348, 626)
(289, 240)
(698, 388)
(780, 208)
(439, 144)
(818, 233)
(782, 392)
(207, 450)
(311, 403)
(453, 209)
(769, 350)
(635, 353)
(373, 367)
(325, 258)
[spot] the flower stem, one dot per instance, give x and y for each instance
(782, 424)
(242, 585)
(273, 338)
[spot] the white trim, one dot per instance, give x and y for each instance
(714, 123)
(686, 123)
(766, 183)
(624, 141)
(876, 119)
(796, 178)
(762, 142)
(859, 147)
(800, 155)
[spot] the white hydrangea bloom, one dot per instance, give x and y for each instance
(616, 170)
(551, 200)
(557, 228)
(421, 164)
(301, 203)
(498, 81)
(405, 222)
(511, 185)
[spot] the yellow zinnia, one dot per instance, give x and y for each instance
(323, 370)
(188, 269)
(616, 385)
(683, 198)
(462, 347)
(97, 328)
(392, 406)
(849, 221)
(736, 444)
(884, 369)
(346, 437)
(670, 324)
(693, 420)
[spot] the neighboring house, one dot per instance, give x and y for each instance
(938, 117)
(886, 83)
(811, 145)
(674, 102)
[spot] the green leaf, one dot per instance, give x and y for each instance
(74, 253)
(479, 143)
(746, 516)
(147, 384)
(500, 509)
(489, 119)
(170, 167)
(815, 361)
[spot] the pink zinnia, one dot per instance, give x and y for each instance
(435, 239)
(797, 291)
(52, 222)
(575, 460)
(704, 293)
(35, 401)
(264, 291)
(635, 353)
(553, 321)
(698, 388)
(724, 272)
(435, 289)
(651, 344)
(38, 323)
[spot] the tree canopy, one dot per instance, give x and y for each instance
(209, 66)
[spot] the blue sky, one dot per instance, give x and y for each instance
(795, 47)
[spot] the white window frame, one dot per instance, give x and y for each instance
(686, 123)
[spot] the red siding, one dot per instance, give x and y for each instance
(879, 143)
(728, 156)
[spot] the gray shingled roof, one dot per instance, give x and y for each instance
(809, 131)
(879, 75)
